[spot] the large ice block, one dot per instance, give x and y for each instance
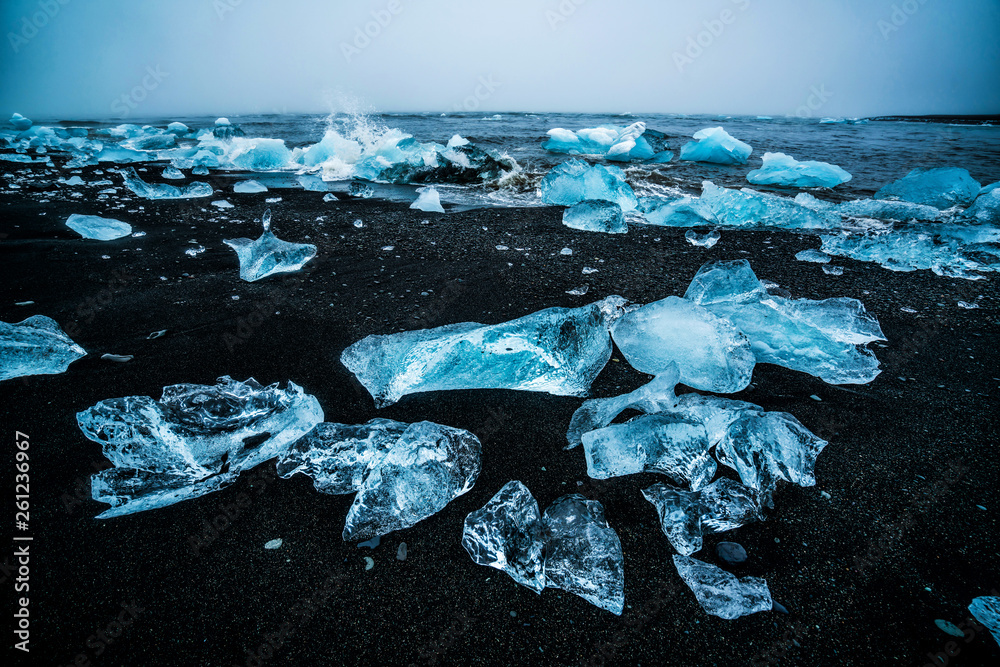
(196, 439)
(985, 210)
(723, 594)
(682, 212)
(35, 346)
(556, 350)
(259, 154)
(429, 200)
(574, 181)
(162, 190)
(714, 144)
(942, 187)
(269, 255)
(617, 143)
(428, 467)
(19, 122)
(98, 228)
(781, 169)
(887, 209)
(596, 215)
(749, 208)
(711, 353)
(986, 609)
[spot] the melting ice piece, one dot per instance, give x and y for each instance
(720, 593)
(942, 187)
(247, 187)
(225, 130)
(507, 534)
(711, 353)
(556, 350)
(362, 190)
(312, 183)
(596, 215)
(173, 173)
(428, 467)
(683, 212)
(986, 609)
(269, 254)
(749, 208)
(707, 240)
(656, 396)
(781, 169)
(985, 210)
(19, 122)
(574, 181)
(622, 144)
(196, 439)
(162, 190)
(813, 255)
(884, 209)
(714, 144)
(583, 555)
(35, 346)
(823, 338)
(686, 516)
(665, 443)
(429, 200)
(101, 229)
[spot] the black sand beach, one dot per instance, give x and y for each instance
(864, 573)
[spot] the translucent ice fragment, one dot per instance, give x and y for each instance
(683, 212)
(173, 173)
(429, 200)
(781, 169)
(574, 181)
(19, 122)
(596, 215)
(706, 240)
(162, 190)
(35, 346)
(714, 144)
(101, 229)
(942, 187)
(720, 593)
(886, 209)
(813, 255)
(749, 208)
(269, 255)
(985, 210)
(249, 187)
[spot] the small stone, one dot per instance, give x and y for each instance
(369, 562)
(825, 495)
(950, 628)
(273, 544)
(815, 397)
(401, 551)
(731, 552)
(119, 358)
(513, 614)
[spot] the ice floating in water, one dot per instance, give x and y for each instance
(225, 130)
(19, 122)
(714, 144)
(706, 241)
(269, 255)
(986, 610)
(557, 350)
(173, 173)
(656, 396)
(942, 188)
(429, 200)
(596, 215)
(812, 255)
(196, 439)
(723, 594)
(162, 190)
(571, 547)
(622, 144)
(781, 169)
(101, 229)
(686, 516)
(35, 346)
(247, 187)
(711, 353)
(985, 210)
(425, 469)
(683, 212)
(823, 338)
(178, 128)
(574, 181)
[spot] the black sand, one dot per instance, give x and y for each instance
(899, 543)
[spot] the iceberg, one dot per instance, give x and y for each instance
(269, 255)
(35, 346)
(162, 190)
(682, 212)
(195, 440)
(812, 255)
(556, 350)
(19, 122)
(883, 209)
(986, 610)
(749, 208)
(706, 241)
(173, 173)
(429, 200)
(985, 210)
(781, 169)
(941, 188)
(574, 181)
(621, 144)
(249, 187)
(596, 215)
(94, 227)
(714, 144)
(429, 466)
(687, 516)
(711, 353)
(720, 593)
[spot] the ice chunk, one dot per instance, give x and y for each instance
(269, 255)
(714, 144)
(259, 154)
(823, 338)
(686, 516)
(428, 467)
(172, 173)
(101, 229)
(665, 443)
(225, 130)
(457, 140)
(596, 215)
(222, 203)
(247, 187)
(196, 439)
(362, 190)
(883, 209)
(429, 200)
(162, 190)
(507, 534)
(312, 183)
(574, 181)
(706, 241)
(781, 169)
(634, 142)
(812, 255)
(720, 593)
(985, 210)
(711, 353)
(557, 350)
(683, 212)
(749, 208)
(178, 128)
(19, 122)
(942, 187)
(986, 609)
(35, 346)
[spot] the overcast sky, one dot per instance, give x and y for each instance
(97, 58)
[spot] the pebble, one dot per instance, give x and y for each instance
(731, 552)
(950, 628)
(369, 562)
(401, 551)
(273, 544)
(120, 358)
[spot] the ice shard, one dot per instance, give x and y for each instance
(361, 190)
(749, 208)
(574, 181)
(429, 200)
(196, 439)
(162, 190)
(985, 210)
(723, 594)
(173, 173)
(942, 188)
(707, 240)
(986, 610)
(556, 350)
(596, 215)
(812, 255)
(269, 255)
(682, 212)
(35, 346)
(687, 516)
(781, 169)
(885, 209)
(714, 144)
(98, 228)
(428, 467)
(711, 353)
(248, 187)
